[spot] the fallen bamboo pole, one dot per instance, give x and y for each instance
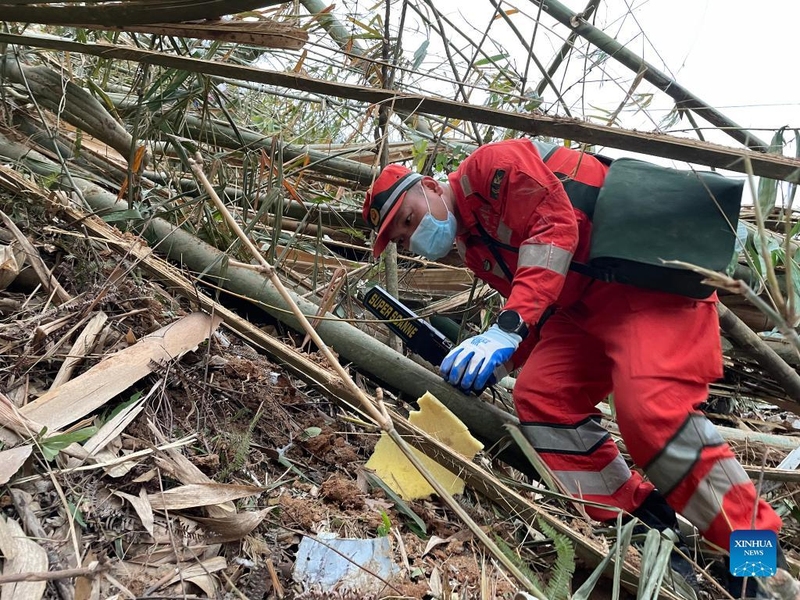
(568, 45)
(378, 414)
(384, 365)
(485, 421)
(656, 144)
(322, 379)
(328, 163)
(684, 99)
(764, 355)
(131, 13)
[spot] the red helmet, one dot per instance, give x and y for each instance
(384, 199)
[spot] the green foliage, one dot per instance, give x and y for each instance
(52, 445)
(76, 513)
(418, 153)
(618, 552)
(123, 215)
(558, 587)
(122, 406)
(354, 233)
(655, 564)
(310, 432)
(793, 186)
(533, 102)
(415, 523)
(50, 180)
(768, 188)
(106, 416)
(386, 526)
(420, 54)
(242, 443)
(670, 119)
(447, 162)
(777, 254)
(518, 562)
(490, 60)
(739, 246)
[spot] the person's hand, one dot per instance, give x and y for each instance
(478, 361)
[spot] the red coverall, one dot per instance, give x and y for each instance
(656, 351)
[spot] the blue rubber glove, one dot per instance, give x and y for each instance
(478, 361)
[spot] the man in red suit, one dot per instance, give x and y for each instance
(520, 215)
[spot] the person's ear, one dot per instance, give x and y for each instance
(430, 184)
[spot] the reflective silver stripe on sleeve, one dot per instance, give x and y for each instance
(546, 256)
(578, 439)
(706, 502)
(680, 454)
(504, 233)
(465, 185)
(596, 483)
(413, 178)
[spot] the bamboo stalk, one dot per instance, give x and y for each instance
(766, 357)
(532, 55)
(131, 13)
(656, 144)
(683, 97)
(378, 414)
(567, 47)
(738, 286)
(42, 272)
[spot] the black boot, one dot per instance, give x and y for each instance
(655, 513)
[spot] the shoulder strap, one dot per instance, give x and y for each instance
(593, 272)
(493, 244)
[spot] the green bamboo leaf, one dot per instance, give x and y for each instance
(417, 525)
(652, 543)
(310, 432)
(123, 215)
(52, 445)
(100, 92)
(739, 247)
(76, 514)
(420, 54)
(624, 535)
(585, 591)
(793, 186)
(655, 562)
(768, 188)
(490, 59)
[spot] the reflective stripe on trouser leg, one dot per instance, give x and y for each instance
(585, 460)
(697, 464)
(718, 497)
(682, 451)
(604, 482)
(705, 504)
(581, 438)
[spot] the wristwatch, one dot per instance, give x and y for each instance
(510, 322)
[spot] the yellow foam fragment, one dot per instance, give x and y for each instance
(391, 465)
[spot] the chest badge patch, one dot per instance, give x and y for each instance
(497, 183)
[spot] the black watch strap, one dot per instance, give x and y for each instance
(510, 321)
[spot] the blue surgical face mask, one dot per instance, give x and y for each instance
(433, 238)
